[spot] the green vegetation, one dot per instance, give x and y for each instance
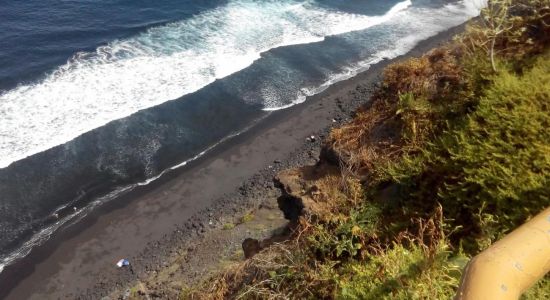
(402, 273)
(451, 154)
(247, 217)
(490, 169)
(228, 226)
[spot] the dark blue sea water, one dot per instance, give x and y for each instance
(40, 35)
(99, 96)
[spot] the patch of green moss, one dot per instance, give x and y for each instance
(228, 226)
(247, 217)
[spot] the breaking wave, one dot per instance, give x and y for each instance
(159, 65)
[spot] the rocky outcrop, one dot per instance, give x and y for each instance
(300, 190)
(251, 247)
(329, 155)
(301, 195)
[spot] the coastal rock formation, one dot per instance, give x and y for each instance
(251, 247)
(301, 195)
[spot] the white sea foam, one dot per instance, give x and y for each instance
(169, 61)
(159, 65)
(37, 239)
(44, 234)
(406, 29)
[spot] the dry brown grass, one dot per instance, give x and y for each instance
(264, 276)
(376, 136)
(398, 120)
(510, 29)
(358, 145)
(415, 100)
(435, 75)
(288, 271)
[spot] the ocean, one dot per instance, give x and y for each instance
(98, 97)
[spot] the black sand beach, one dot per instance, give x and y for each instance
(148, 223)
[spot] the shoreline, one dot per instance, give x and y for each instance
(174, 209)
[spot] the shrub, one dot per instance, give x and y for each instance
(512, 30)
(496, 161)
(403, 273)
(461, 132)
